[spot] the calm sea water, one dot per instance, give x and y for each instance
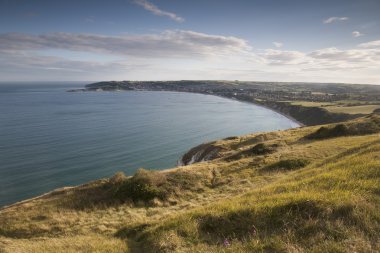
(50, 138)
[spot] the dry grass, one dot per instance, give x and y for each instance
(328, 204)
(88, 243)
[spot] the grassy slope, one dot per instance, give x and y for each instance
(244, 199)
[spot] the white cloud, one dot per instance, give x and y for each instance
(26, 66)
(156, 11)
(169, 44)
(280, 57)
(334, 19)
(360, 57)
(278, 44)
(334, 54)
(371, 44)
(359, 64)
(357, 34)
(177, 54)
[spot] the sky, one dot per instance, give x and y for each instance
(253, 40)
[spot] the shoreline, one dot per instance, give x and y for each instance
(203, 93)
(283, 114)
(266, 107)
(171, 168)
(269, 96)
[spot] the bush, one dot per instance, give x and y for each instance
(289, 164)
(118, 178)
(370, 126)
(261, 149)
(143, 186)
(325, 133)
(364, 128)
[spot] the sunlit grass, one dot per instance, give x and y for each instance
(320, 195)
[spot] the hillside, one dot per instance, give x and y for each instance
(310, 189)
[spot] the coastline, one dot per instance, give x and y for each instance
(273, 96)
(302, 120)
(36, 197)
(283, 114)
(301, 124)
(263, 106)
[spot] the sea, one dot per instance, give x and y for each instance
(51, 138)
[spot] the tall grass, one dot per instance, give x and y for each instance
(282, 192)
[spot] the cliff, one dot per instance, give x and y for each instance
(200, 153)
(309, 189)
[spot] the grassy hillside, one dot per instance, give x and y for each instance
(310, 189)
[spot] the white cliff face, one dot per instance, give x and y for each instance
(195, 158)
(201, 153)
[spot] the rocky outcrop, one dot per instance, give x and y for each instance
(204, 152)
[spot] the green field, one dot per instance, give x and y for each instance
(349, 107)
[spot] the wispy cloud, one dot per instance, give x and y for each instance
(334, 19)
(372, 44)
(169, 44)
(207, 56)
(365, 53)
(281, 57)
(37, 67)
(357, 34)
(355, 56)
(278, 44)
(157, 11)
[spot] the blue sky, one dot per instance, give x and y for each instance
(283, 40)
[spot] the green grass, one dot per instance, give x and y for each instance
(330, 208)
(281, 192)
(343, 106)
(359, 109)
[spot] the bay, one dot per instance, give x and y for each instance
(50, 138)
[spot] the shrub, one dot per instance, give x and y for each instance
(143, 186)
(370, 126)
(118, 178)
(324, 132)
(289, 164)
(364, 128)
(261, 149)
